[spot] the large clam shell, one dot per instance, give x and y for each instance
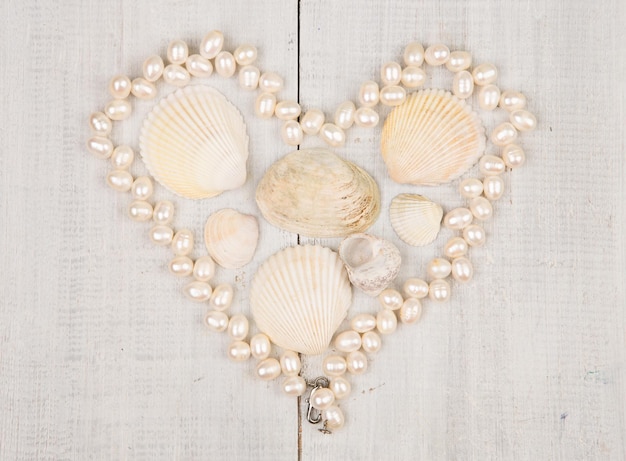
(300, 296)
(194, 143)
(416, 219)
(231, 237)
(432, 138)
(314, 193)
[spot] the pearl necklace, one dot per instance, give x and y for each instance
(364, 335)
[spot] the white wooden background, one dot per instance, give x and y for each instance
(102, 358)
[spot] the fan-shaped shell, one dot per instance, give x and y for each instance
(231, 237)
(432, 138)
(194, 143)
(415, 218)
(314, 193)
(300, 296)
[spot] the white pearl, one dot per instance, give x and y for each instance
(290, 363)
(142, 188)
(139, 210)
(198, 291)
(459, 60)
(161, 235)
(415, 288)
(182, 243)
(474, 235)
(238, 327)
(490, 165)
(462, 269)
(222, 297)
(438, 268)
(271, 82)
(249, 77)
(390, 299)
(177, 52)
(225, 64)
(411, 311)
(312, 121)
(455, 247)
(260, 346)
(463, 84)
(287, 110)
(457, 219)
(371, 342)
(120, 180)
(181, 266)
(390, 73)
(484, 74)
(413, 77)
(119, 86)
(143, 89)
(212, 44)
(332, 135)
(294, 385)
(333, 417)
(386, 321)
(413, 54)
(100, 124)
(369, 94)
(471, 187)
(122, 157)
(523, 120)
(439, 290)
(503, 134)
(340, 386)
(216, 321)
(199, 66)
(335, 365)
(204, 268)
(153, 68)
(291, 133)
(489, 97)
(366, 117)
(481, 208)
(357, 362)
(176, 75)
(344, 115)
(437, 55)
(264, 105)
(393, 95)
(100, 146)
(363, 322)
(512, 100)
(239, 351)
(268, 369)
(513, 155)
(163, 212)
(493, 186)
(348, 341)
(118, 109)
(245, 54)
(322, 398)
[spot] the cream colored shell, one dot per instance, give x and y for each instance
(431, 139)
(415, 218)
(231, 237)
(300, 296)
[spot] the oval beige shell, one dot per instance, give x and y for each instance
(194, 143)
(300, 296)
(314, 193)
(231, 237)
(415, 218)
(432, 138)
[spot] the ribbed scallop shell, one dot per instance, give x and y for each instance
(432, 138)
(231, 237)
(194, 143)
(314, 193)
(415, 218)
(300, 296)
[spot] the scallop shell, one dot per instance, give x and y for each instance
(432, 138)
(231, 237)
(300, 296)
(372, 263)
(314, 193)
(194, 143)
(415, 218)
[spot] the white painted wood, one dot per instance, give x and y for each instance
(101, 357)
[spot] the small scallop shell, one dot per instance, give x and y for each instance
(231, 238)
(194, 143)
(431, 139)
(300, 296)
(415, 218)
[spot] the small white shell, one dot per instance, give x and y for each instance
(372, 263)
(231, 237)
(415, 218)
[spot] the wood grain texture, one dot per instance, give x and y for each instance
(102, 358)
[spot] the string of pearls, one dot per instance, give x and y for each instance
(366, 330)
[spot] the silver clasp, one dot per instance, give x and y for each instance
(313, 415)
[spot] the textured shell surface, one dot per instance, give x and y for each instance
(431, 139)
(231, 237)
(194, 143)
(415, 218)
(300, 296)
(315, 193)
